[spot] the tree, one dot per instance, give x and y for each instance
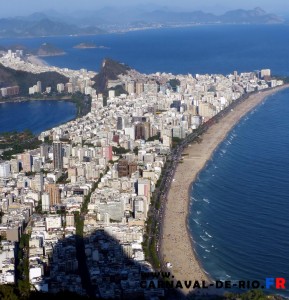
(7, 292)
(135, 150)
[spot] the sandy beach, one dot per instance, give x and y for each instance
(176, 242)
(35, 60)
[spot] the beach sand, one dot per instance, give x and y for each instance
(35, 60)
(176, 244)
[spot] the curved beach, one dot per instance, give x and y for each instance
(176, 244)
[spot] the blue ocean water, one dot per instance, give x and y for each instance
(35, 115)
(198, 49)
(239, 213)
(239, 218)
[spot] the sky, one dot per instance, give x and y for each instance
(9, 8)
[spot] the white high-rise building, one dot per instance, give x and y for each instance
(60, 87)
(5, 170)
(39, 87)
(45, 202)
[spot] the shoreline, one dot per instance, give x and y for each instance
(177, 245)
(32, 100)
(67, 99)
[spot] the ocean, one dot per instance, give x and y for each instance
(240, 201)
(239, 215)
(198, 49)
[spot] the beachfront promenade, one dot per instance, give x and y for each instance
(176, 244)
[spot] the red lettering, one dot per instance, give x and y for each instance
(280, 283)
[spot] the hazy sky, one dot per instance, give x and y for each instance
(23, 7)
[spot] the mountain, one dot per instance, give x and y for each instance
(10, 77)
(84, 22)
(255, 16)
(41, 25)
(162, 15)
(110, 70)
(239, 16)
(49, 50)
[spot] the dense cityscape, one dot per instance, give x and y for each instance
(95, 177)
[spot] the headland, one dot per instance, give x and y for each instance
(177, 244)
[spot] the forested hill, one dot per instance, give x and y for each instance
(109, 71)
(10, 77)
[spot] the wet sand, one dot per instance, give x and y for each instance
(176, 240)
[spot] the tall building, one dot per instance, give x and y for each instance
(26, 162)
(39, 87)
(130, 87)
(147, 130)
(139, 88)
(70, 220)
(5, 170)
(132, 167)
(54, 193)
(15, 167)
(265, 73)
(60, 87)
(139, 131)
(142, 131)
(37, 164)
(39, 181)
(57, 155)
(144, 188)
(45, 202)
(123, 168)
(44, 150)
(107, 152)
(119, 124)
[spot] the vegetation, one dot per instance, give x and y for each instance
(22, 263)
(47, 140)
(82, 102)
(153, 138)
(119, 150)
(26, 79)
(63, 178)
(175, 141)
(174, 83)
(17, 142)
(109, 71)
(135, 150)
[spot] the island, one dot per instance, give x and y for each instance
(47, 49)
(89, 46)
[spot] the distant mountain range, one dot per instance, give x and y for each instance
(95, 22)
(45, 26)
(131, 16)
